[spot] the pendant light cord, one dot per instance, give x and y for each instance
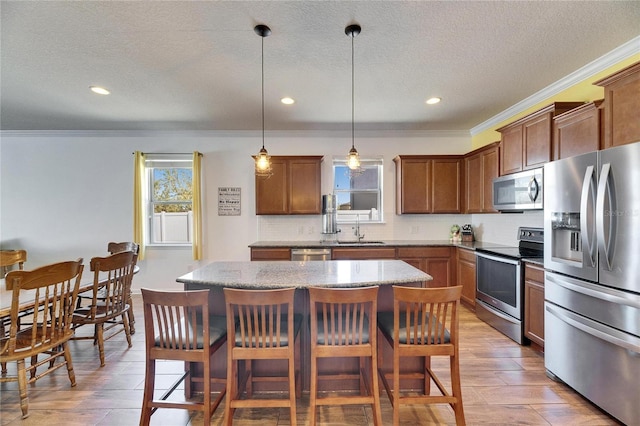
(352, 95)
(262, 56)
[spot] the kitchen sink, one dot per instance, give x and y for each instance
(361, 242)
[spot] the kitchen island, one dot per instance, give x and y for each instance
(300, 275)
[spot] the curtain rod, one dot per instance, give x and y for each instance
(170, 153)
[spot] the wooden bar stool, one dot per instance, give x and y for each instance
(177, 326)
(263, 326)
(343, 324)
(424, 323)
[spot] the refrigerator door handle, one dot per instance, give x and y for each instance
(586, 217)
(597, 292)
(606, 240)
(629, 343)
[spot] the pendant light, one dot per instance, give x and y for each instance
(353, 159)
(263, 160)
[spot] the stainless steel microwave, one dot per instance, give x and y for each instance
(518, 191)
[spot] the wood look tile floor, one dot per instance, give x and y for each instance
(502, 384)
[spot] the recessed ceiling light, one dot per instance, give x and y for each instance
(99, 90)
(288, 101)
(432, 101)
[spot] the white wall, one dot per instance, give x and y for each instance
(64, 195)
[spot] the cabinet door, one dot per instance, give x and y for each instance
(537, 141)
(534, 304)
(489, 172)
(467, 276)
(473, 183)
(277, 253)
(414, 185)
(511, 150)
(445, 187)
(304, 184)
(440, 270)
(271, 193)
(577, 131)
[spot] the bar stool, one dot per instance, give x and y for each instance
(343, 324)
(185, 332)
(263, 326)
(424, 323)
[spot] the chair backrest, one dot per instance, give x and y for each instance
(429, 315)
(114, 274)
(343, 317)
(12, 257)
(264, 317)
(176, 323)
(114, 248)
(53, 289)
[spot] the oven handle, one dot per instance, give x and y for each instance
(601, 293)
(593, 328)
(498, 258)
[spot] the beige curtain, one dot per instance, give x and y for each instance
(197, 206)
(138, 201)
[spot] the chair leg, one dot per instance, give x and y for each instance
(100, 337)
(313, 392)
(427, 377)
(22, 386)
(67, 358)
(375, 389)
(396, 386)
(292, 383)
(456, 390)
(232, 389)
(127, 328)
(149, 384)
(132, 319)
(206, 409)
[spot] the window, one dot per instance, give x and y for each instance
(359, 198)
(170, 203)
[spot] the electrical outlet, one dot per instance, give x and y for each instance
(310, 230)
(300, 230)
(415, 229)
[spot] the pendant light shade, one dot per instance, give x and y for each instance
(263, 160)
(353, 159)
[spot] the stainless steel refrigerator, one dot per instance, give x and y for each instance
(592, 278)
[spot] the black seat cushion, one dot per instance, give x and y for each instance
(343, 337)
(385, 324)
(284, 335)
(217, 331)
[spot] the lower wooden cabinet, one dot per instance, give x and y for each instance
(534, 303)
(467, 276)
(279, 253)
(435, 261)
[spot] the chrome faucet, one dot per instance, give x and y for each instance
(356, 231)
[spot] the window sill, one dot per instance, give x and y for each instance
(169, 246)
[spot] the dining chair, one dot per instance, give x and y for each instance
(424, 323)
(9, 258)
(176, 326)
(262, 325)
(343, 324)
(53, 290)
(111, 284)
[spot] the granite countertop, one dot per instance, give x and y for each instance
(385, 243)
(286, 274)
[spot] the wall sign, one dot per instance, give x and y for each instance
(229, 201)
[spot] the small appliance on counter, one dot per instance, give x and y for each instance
(329, 214)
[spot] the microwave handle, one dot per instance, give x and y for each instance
(533, 189)
(586, 226)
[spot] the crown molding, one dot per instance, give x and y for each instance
(625, 51)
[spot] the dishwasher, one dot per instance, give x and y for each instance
(304, 255)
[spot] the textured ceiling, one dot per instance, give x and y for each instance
(192, 65)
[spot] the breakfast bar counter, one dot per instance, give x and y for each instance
(300, 275)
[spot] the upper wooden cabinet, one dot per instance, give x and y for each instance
(526, 143)
(294, 187)
(480, 168)
(428, 184)
(622, 106)
(578, 131)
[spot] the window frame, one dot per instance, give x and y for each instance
(166, 161)
(365, 215)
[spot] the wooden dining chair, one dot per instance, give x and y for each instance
(111, 284)
(176, 326)
(261, 325)
(53, 290)
(424, 323)
(8, 259)
(343, 324)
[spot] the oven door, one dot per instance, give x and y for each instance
(499, 283)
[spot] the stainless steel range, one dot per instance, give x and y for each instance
(500, 282)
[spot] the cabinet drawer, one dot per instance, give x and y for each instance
(424, 251)
(468, 255)
(362, 254)
(270, 254)
(533, 273)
